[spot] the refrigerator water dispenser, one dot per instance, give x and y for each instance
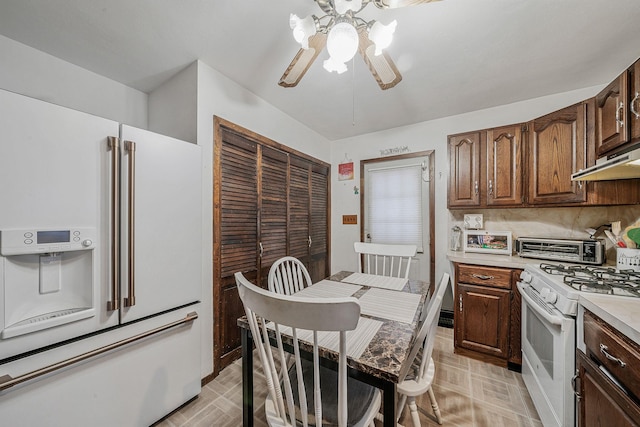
(47, 278)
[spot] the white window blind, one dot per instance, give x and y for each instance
(394, 205)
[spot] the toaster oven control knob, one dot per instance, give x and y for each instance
(87, 242)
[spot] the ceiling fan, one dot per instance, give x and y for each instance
(344, 33)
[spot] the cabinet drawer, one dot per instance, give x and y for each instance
(600, 340)
(485, 276)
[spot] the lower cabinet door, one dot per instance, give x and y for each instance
(482, 319)
(601, 402)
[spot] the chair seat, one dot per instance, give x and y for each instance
(411, 387)
(364, 400)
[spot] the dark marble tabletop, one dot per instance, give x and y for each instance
(387, 352)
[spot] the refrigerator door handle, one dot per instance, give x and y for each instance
(130, 148)
(113, 144)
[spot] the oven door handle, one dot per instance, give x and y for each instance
(554, 320)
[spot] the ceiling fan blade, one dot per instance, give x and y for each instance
(381, 66)
(303, 60)
(393, 4)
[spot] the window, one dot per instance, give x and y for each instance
(394, 198)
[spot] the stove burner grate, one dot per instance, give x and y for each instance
(596, 279)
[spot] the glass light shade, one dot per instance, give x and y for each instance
(302, 29)
(382, 35)
(342, 6)
(332, 65)
(342, 42)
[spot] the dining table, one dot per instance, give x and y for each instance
(377, 351)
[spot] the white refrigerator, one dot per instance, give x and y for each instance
(100, 269)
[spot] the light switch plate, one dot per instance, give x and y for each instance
(473, 221)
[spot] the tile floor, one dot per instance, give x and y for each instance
(469, 393)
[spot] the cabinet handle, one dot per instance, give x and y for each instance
(482, 277)
(460, 302)
(309, 241)
(632, 106)
(491, 187)
(476, 187)
(261, 249)
(573, 385)
(580, 185)
(620, 114)
(603, 350)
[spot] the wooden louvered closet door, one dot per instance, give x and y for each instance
(236, 243)
(299, 209)
(272, 210)
(269, 201)
(319, 250)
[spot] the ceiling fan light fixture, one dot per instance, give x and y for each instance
(332, 65)
(302, 29)
(342, 42)
(342, 6)
(381, 35)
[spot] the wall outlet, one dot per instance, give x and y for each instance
(473, 221)
(349, 219)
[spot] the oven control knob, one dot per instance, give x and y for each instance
(551, 297)
(526, 277)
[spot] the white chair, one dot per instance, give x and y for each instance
(420, 377)
(288, 275)
(291, 401)
(385, 260)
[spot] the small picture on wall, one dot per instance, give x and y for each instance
(494, 242)
(345, 171)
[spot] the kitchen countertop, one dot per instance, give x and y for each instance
(491, 260)
(622, 313)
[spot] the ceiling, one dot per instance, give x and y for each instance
(455, 56)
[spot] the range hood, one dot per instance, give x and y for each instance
(616, 166)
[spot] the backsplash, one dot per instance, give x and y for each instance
(552, 222)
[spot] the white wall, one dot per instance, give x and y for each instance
(173, 106)
(431, 135)
(39, 75)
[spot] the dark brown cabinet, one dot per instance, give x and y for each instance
(611, 115)
(486, 168)
(504, 166)
(557, 145)
(601, 400)
(269, 202)
(464, 170)
(486, 326)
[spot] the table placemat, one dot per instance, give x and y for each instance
(328, 289)
(357, 340)
(376, 281)
(392, 305)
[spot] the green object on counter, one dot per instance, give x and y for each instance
(634, 234)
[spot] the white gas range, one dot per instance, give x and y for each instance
(550, 293)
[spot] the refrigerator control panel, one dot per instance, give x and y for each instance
(37, 241)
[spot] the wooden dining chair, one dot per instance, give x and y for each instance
(420, 377)
(288, 275)
(385, 260)
(307, 392)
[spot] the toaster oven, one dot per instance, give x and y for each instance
(587, 251)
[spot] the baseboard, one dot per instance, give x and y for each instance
(446, 319)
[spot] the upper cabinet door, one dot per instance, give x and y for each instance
(464, 170)
(557, 145)
(634, 104)
(612, 115)
(504, 166)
